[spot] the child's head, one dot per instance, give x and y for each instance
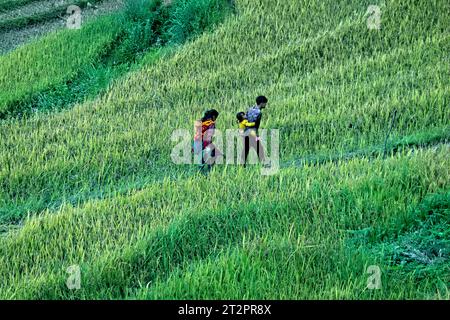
(240, 116)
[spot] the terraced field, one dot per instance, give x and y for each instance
(23, 24)
(93, 184)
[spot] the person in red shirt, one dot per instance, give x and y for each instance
(205, 151)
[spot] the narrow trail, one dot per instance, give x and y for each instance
(131, 188)
(367, 153)
(32, 9)
(13, 38)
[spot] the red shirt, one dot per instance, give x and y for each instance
(204, 131)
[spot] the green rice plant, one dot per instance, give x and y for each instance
(327, 99)
(164, 242)
(12, 4)
(138, 29)
(96, 183)
(190, 18)
(419, 248)
(33, 68)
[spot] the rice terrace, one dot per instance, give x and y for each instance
(220, 149)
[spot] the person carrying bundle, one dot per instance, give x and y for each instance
(251, 137)
(204, 150)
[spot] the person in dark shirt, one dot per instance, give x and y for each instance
(251, 137)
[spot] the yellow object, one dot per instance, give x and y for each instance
(244, 124)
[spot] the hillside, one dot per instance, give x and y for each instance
(92, 183)
(25, 21)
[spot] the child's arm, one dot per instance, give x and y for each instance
(249, 124)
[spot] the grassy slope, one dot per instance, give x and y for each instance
(35, 67)
(11, 4)
(325, 80)
(324, 72)
(294, 224)
(124, 54)
(55, 12)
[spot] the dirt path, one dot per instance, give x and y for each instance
(12, 39)
(33, 8)
(369, 153)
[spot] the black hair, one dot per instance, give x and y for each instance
(210, 114)
(240, 116)
(261, 99)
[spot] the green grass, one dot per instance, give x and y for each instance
(36, 67)
(12, 4)
(145, 25)
(312, 108)
(96, 184)
(91, 81)
(286, 228)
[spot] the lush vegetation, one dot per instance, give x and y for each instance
(11, 4)
(92, 59)
(51, 60)
(277, 237)
(95, 183)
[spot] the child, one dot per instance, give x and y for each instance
(244, 125)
